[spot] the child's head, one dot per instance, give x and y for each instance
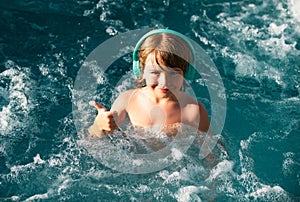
(169, 51)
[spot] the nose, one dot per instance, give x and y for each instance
(163, 79)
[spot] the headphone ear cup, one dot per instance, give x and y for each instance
(136, 68)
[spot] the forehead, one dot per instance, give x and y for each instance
(156, 62)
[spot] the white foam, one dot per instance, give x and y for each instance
(224, 166)
(4, 120)
(276, 47)
(267, 39)
(63, 183)
(254, 188)
(177, 154)
(195, 18)
(38, 160)
(111, 31)
(143, 188)
(246, 65)
(4, 93)
(17, 93)
(37, 197)
(189, 193)
(286, 166)
(15, 198)
(268, 193)
(53, 161)
(294, 7)
(172, 178)
(246, 143)
(17, 169)
(277, 30)
(289, 163)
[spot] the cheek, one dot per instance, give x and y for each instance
(150, 80)
(178, 84)
(178, 80)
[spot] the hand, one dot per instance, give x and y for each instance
(105, 121)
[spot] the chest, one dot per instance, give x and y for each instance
(147, 113)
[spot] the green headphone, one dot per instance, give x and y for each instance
(190, 72)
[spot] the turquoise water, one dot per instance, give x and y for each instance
(254, 44)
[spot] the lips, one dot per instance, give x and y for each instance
(164, 90)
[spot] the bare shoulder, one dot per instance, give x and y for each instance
(122, 100)
(127, 93)
(188, 101)
(120, 105)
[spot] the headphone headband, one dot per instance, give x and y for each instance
(190, 71)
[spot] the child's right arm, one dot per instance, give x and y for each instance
(107, 121)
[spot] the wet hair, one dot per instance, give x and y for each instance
(166, 47)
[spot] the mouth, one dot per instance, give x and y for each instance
(164, 90)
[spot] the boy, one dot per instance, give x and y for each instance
(161, 61)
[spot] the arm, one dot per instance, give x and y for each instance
(204, 120)
(104, 121)
(107, 121)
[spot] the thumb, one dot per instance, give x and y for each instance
(97, 105)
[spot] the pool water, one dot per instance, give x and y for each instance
(255, 46)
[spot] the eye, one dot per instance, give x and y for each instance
(155, 72)
(174, 73)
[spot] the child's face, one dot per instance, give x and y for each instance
(163, 80)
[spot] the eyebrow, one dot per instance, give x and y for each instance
(156, 67)
(176, 69)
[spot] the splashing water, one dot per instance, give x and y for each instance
(44, 156)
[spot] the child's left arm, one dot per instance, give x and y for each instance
(204, 120)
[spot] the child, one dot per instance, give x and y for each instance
(162, 60)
